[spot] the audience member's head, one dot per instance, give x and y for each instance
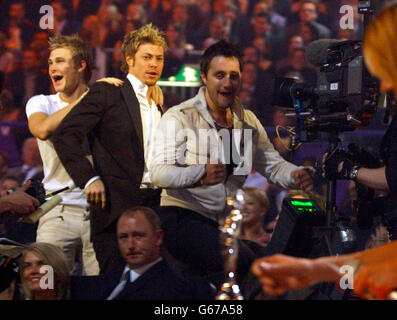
(60, 10)
(295, 42)
(308, 32)
(217, 27)
(179, 14)
(29, 61)
(136, 13)
(249, 75)
(256, 205)
(298, 59)
(261, 24)
(260, 7)
(174, 36)
(16, 11)
(308, 11)
(139, 236)
(44, 272)
(9, 183)
(90, 30)
(39, 41)
(30, 153)
(251, 55)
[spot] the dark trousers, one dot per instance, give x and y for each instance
(194, 240)
(105, 243)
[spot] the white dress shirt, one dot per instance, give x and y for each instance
(150, 116)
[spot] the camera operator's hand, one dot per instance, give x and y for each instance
(280, 273)
(214, 173)
(376, 280)
(337, 165)
(95, 193)
(19, 202)
(303, 179)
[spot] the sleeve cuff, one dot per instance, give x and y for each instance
(91, 181)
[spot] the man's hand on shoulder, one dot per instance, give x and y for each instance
(111, 80)
(157, 96)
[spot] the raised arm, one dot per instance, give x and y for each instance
(42, 125)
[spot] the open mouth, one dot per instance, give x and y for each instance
(226, 94)
(57, 78)
(152, 74)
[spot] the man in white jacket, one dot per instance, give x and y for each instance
(204, 149)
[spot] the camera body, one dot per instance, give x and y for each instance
(36, 190)
(344, 97)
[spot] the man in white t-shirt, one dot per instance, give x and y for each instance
(67, 225)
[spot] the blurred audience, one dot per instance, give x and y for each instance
(27, 80)
(32, 167)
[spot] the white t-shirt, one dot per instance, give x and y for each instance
(55, 175)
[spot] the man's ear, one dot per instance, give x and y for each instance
(83, 66)
(204, 78)
(129, 60)
(159, 237)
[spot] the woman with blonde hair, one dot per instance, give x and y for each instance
(44, 272)
(254, 211)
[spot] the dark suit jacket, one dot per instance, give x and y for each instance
(158, 283)
(111, 118)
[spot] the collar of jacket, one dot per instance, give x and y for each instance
(237, 109)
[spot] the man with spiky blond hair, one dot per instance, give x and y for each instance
(120, 123)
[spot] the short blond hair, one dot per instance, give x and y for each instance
(380, 41)
(53, 256)
(259, 195)
(146, 34)
(79, 48)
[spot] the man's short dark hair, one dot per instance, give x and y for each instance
(220, 49)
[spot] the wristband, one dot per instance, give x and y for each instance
(354, 173)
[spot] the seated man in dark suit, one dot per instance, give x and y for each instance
(146, 275)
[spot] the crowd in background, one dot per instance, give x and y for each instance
(273, 36)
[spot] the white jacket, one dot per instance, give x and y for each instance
(181, 152)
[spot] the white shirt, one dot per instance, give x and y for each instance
(134, 274)
(55, 175)
(150, 116)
